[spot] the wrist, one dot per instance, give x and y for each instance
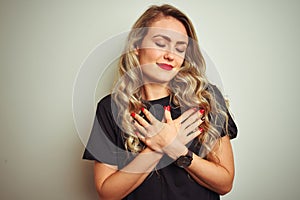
(149, 150)
(184, 151)
(185, 160)
(175, 149)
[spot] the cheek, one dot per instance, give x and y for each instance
(179, 60)
(149, 56)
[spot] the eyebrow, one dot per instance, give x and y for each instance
(169, 39)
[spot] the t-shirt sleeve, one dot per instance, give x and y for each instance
(104, 139)
(220, 122)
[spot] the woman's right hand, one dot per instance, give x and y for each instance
(188, 124)
(169, 136)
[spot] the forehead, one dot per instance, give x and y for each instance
(170, 27)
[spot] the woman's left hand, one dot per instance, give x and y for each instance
(168, 136)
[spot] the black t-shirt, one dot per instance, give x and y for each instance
(168, 181)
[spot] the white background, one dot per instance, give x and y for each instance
(254, 44)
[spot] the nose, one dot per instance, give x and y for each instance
(168, 55)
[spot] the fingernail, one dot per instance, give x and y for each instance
(168, 108)
(202, 111)
(201, 130)
(142, 109)
(132, 114)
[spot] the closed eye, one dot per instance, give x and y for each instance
(180, 50)
(159, 44)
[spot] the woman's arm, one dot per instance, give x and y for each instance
(217, 172)
(112, 183)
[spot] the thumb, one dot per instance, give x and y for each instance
(168, 117)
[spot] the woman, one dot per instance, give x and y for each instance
(164, 132)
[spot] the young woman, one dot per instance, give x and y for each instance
(164, 132)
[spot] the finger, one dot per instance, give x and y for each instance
(193, 135)
(202, 111)
(147, 142)
(193, 126)
(139, 123)
(149, 116)
(140, 136)
(185, 115)
(140, 128)
(168, 117)
(193, 111)
(140, 120)
(192, 118)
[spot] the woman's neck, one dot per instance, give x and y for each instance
(152, 91)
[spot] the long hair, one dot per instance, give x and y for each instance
(189, 88)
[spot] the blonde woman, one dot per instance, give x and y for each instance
(164, 132)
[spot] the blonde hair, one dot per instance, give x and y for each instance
(189, 88)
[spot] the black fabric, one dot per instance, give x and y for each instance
(168, 181)
(232, 128)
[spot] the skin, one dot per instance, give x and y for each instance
(165, 43)
(170, 136)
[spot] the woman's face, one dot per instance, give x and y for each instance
(162, 50)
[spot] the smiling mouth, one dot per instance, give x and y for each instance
(165, 66)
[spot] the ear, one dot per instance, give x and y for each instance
(136, 51)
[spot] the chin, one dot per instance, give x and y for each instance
(159, 78)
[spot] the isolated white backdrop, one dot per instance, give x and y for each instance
(255, 47)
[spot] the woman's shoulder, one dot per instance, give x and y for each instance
(106, 99)
(105, 106)
(221, 102)
(214, 89)
(216, 93)
(105, 102)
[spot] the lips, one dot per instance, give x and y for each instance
(165, 66)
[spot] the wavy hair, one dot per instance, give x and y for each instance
(189, 88)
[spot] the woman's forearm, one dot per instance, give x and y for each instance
(211, 175)
(122, 182)
(217, 172)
